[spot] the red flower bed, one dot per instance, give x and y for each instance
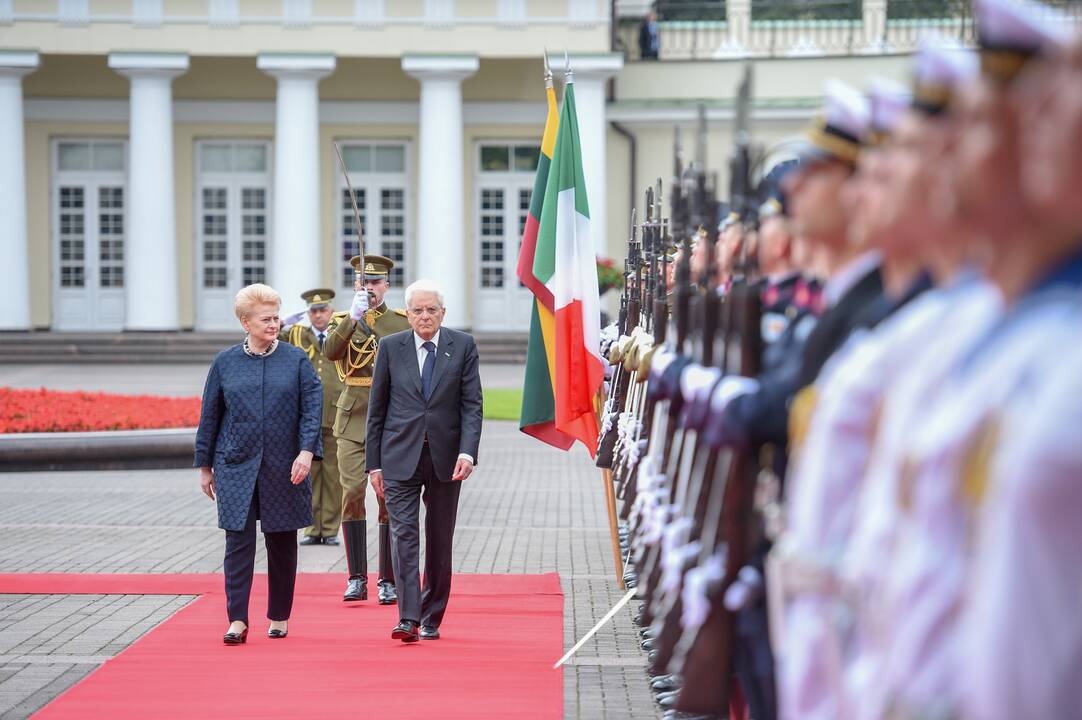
(24, 411)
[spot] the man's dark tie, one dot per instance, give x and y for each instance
(426, 369)
(321, 342)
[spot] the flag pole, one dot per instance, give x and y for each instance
(610, 501)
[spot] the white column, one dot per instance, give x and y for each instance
(590, 74)
(295, 262)
(15, 268)
(150, 248)
(441, 240)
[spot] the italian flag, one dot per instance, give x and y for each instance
(565, 262)
(538, 416)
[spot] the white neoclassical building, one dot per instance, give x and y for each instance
(157, 155)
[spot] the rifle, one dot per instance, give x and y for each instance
(704, 651)
(693, 471)
(628, 321)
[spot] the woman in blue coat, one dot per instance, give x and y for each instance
(258, 433)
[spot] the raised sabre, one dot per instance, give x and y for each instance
(360, 227)
(353, 201)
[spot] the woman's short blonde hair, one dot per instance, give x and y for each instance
(252, 296)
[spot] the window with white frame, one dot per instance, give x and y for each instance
(502, 194)
(233, 224)
(89, 225)
(377, 172)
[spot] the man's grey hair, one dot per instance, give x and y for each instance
(424, 285)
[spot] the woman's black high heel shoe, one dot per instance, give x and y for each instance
(276, 634)
(235, 638)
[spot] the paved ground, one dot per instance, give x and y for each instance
(528, 508)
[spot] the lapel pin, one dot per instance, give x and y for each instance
(447, 354)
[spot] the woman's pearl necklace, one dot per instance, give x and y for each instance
(253, 353)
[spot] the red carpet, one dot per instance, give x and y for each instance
(500, 637)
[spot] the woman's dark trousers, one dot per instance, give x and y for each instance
(240, 565)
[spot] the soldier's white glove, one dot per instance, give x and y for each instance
(293, 319)
(359, 306)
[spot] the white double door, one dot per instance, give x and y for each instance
(89, 222)
(232, 227)
(502, 303)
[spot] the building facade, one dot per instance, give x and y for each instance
(160, 154)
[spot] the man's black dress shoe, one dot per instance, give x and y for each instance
(357, 589)
(311, 540)
(235, 638)
(332, 540)
(430, 632)
(406, 631)
(387, 594)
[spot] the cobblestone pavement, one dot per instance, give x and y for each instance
(527, 509)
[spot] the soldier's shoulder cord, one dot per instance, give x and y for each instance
(400, 312)
(296, 337)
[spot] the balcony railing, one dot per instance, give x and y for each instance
(304, 14)
(723, 29)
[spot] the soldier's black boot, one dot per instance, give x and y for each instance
(387, 593)
(354, 533)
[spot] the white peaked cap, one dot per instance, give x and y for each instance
(1020, 25)
(941, 61)
(888, 99)
(846, 109)
(941, 65)
(840, 129)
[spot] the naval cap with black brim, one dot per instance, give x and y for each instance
(1012, 32)
(888, 100)
(941, 66)
(840, 130)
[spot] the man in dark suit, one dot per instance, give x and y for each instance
(424, 429)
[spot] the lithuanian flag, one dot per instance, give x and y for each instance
(565, 261)
(538, 400)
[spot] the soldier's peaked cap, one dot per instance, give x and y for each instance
(887, 99)
(840, 129)
(320, 297)
(941, 65)
(376, 267)
(1011, 32)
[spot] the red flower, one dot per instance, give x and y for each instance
(23, 411)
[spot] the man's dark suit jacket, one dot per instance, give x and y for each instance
(399, 419)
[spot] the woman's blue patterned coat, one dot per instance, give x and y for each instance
(258, 414)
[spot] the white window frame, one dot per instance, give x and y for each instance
(512, 300)
(105, 308)
(373, 183)
(230, 179)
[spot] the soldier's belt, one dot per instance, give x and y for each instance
(358, 381)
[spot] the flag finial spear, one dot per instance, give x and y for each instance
(548, 69)
(568, 76)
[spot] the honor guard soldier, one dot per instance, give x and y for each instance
(352, 345)
(326, 485)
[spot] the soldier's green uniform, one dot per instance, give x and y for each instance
(326, 485)
(353, 347)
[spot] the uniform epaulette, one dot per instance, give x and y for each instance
(400, 312)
